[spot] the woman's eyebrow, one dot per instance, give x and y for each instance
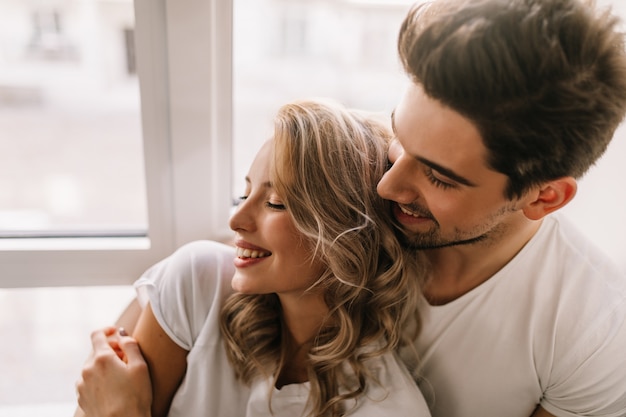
(266, 184)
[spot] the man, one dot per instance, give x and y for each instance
(510, 102)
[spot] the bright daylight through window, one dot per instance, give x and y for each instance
(71, 161)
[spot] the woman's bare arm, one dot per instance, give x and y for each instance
(129, 317)
(166, 360)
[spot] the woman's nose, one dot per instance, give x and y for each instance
(242, 218)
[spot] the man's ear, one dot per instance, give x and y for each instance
(550, 197)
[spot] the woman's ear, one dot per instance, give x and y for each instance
(550, 197)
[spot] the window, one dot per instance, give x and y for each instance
(72, 157)
(169, 185)
(129, 43)
(286, 50)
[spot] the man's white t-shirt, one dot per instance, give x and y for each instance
(548, 328)
(186, 291)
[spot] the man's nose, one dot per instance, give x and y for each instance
(400, 183)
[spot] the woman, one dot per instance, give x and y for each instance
(322, 288)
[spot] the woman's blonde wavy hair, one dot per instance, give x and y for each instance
(327, 163)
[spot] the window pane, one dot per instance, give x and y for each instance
(71, 158)
(286, 50)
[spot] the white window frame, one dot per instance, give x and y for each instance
(184, 65)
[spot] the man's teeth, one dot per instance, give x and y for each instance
(248, 253)
(410, 213)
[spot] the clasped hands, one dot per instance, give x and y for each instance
(115, 380)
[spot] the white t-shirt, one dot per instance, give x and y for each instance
(548, 328)
(186, 291)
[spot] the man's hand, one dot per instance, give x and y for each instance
(115, 379)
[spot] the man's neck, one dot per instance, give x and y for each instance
(459, 269)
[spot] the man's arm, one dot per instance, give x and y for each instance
(115, 381)
(127, 320)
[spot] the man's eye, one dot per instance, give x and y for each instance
(436, 181)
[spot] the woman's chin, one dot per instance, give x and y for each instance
(243, 285)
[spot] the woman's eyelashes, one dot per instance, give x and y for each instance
(269, 204)
(275, 206)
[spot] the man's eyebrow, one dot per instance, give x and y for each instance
(445, 171)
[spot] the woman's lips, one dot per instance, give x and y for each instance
(251, 253)
(247, 254)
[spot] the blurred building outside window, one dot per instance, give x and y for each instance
(71, 159)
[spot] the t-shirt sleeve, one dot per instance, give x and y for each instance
(186, 289)
(591, 379)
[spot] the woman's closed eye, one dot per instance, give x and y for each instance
(275, 206)
(272, 204)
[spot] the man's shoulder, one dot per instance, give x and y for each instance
(561, 249)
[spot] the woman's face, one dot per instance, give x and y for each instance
(272, 256)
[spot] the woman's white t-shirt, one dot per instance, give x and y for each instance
(186, 291)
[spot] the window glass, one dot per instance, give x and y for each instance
(71, 158)
(286, 50)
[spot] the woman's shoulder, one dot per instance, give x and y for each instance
(184, 288)
(202, 253)
(202, 261)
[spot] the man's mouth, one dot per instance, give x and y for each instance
(249, 253)
(408, 212)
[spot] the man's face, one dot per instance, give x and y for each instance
(445, 193)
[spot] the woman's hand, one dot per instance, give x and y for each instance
(115, 379)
